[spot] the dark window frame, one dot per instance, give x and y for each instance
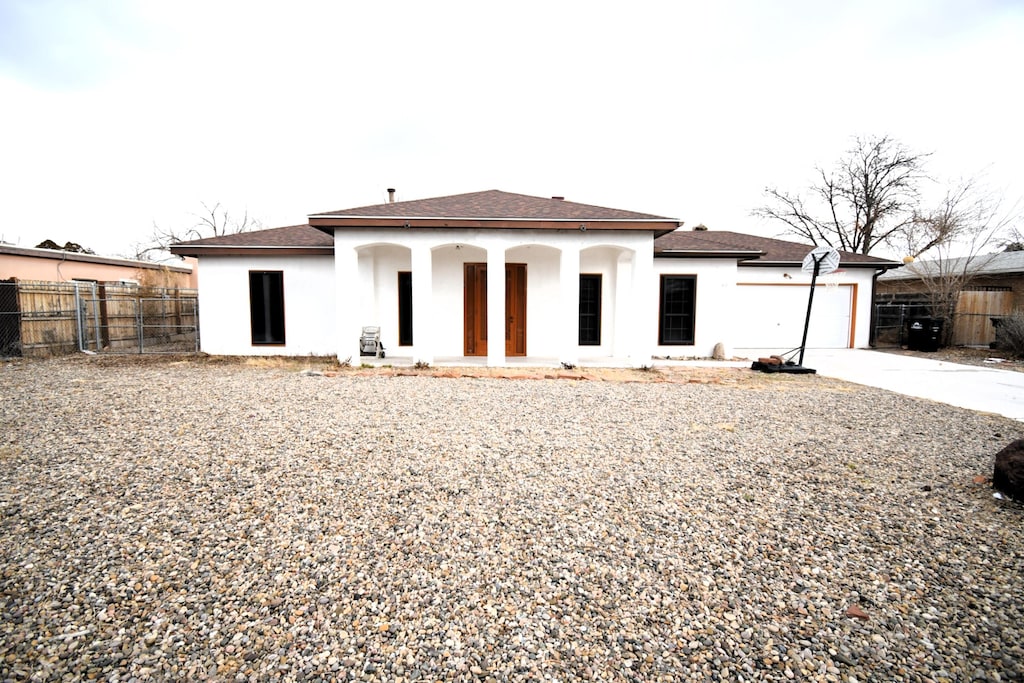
(589, 326)
(266, 307)
(677, 310)
(405, 308)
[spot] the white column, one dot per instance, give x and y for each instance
(645, 310)
(422, 305)
(569, 284)
(625, 306)
(496, 314)
(348, 302)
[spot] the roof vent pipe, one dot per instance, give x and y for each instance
(700, 227)
(391, 195)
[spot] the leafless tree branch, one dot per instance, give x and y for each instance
(959, 233)
(865, 201)
(213, 221)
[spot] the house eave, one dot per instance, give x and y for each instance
(198, 250)
(699, 253)
(880, 265)
(329, 223)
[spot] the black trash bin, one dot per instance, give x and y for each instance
(924, 334)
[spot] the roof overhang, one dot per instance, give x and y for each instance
(198, 250)
(878, 265)
(59, 255)
(740, 255)
(329, 223)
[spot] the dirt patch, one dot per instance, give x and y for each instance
(329, 367)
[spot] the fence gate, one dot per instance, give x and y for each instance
(117, 319)
(891, 321)
(10, 319)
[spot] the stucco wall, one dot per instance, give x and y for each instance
(51, 267)
(377, 256)
(713, 308)
(309, 305)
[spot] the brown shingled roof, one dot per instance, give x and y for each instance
(304, 239)
(494, 204)
(772, 251)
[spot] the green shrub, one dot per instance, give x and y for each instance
(1010, 334)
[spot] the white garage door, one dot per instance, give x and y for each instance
(772, 316)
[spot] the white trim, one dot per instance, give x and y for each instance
(491, 219)
(251, 246)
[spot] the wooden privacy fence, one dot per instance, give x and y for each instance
(55, 318)
(974, 313)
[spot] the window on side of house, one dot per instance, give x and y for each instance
(590, 310)
(676, 314)
(266, 306)
(404, 308)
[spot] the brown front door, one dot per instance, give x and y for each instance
(475, 288)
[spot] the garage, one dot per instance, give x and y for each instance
(772, 316)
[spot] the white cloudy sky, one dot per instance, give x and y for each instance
(119, 113)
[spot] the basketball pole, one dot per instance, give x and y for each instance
(810, 301)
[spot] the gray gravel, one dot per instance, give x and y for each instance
(189, 521)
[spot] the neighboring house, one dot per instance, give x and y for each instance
(991, 286)
(1002, 271)
(575, 283)
(55, 265)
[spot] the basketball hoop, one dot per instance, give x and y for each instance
(820, 261)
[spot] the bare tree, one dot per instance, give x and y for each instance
(68, 246)
(213, 221)
(960, 234)
(866, 200)
(1014, 240)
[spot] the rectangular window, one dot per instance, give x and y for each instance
(676, 315)
(590, 310)
(404, 309)
(266, 306)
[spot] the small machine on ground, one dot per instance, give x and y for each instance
(369, 342)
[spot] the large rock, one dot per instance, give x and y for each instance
(1008, 475)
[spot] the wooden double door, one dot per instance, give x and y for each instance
(475, 324)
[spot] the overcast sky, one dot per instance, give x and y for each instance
(118, 114)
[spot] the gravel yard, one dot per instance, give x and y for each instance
(163, 519)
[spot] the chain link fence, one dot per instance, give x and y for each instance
(891, 321)
(10, 320)
(58, 318)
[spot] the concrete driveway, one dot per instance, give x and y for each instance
(967, 386)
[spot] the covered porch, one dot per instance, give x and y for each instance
(432, 293)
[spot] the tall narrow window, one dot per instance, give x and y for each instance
(590, 310)
(266, 306)
(676, 316)
(404, 308)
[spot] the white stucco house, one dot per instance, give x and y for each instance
(573, 283)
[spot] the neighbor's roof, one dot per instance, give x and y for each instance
(61, 255)
(492, 209)
(293, 239)
(1001, 263)
(751, 249)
